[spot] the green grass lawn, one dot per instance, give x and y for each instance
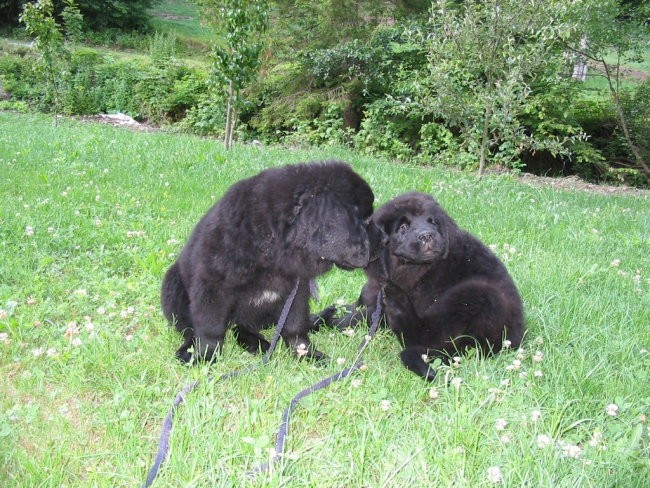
(91, 217)
(182, 18)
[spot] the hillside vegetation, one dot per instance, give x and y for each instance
(444, 83)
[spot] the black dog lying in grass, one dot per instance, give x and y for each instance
(444, 290)
(246, 254)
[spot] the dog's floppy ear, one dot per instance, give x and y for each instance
(300, 199)
(384, 222)
(377, 238)
(446, 226)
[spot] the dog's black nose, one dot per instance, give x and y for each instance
(425, 237)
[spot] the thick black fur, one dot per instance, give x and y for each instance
(245, 255)
(444, 290)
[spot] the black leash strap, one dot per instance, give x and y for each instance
(324, 383)
(163, 443)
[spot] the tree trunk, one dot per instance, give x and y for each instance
(484, 140)
(642, 165)
(227, 141)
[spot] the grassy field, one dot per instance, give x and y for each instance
(91, 217)
(182, 19)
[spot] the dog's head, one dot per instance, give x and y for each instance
(418, 229)
(331, 217)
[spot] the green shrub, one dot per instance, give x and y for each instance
(325, 130)
(94, 82)
(389, 128)
(16, 71)
(206, 118)
(636, 106)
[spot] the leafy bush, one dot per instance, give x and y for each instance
(94, 82)
(387, 125)
(636, 106)
(15, 75)
(120, 14)
(206, 118)
(326, 130)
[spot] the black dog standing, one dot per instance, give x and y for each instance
(444, 290)
(247, 253)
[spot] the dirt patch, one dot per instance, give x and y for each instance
(575, 183)
(118, 120)
(166, 16)
(628, 72)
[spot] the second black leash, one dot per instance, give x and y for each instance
(324, 383)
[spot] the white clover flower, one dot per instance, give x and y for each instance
(51, 352)
(505, 438)
(29, 231)
(349, 332)
(538, 357)
(615, 263)
(301, 350)
(538, 374)
(611, 410)
(356, 383)
(543, 441)
(37, 352)
(4, 337)
(571, 451)
(456, 382)
(71, 329)
(535, 415)
(385, 405)
(500, 424)
(340, 361)
(596, 439)
(494, 475)
(507, 344)
(76, 342)
(434, 394)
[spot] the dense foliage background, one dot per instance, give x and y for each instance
(465, 83)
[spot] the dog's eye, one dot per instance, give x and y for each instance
(430, 220)
(404, 227)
